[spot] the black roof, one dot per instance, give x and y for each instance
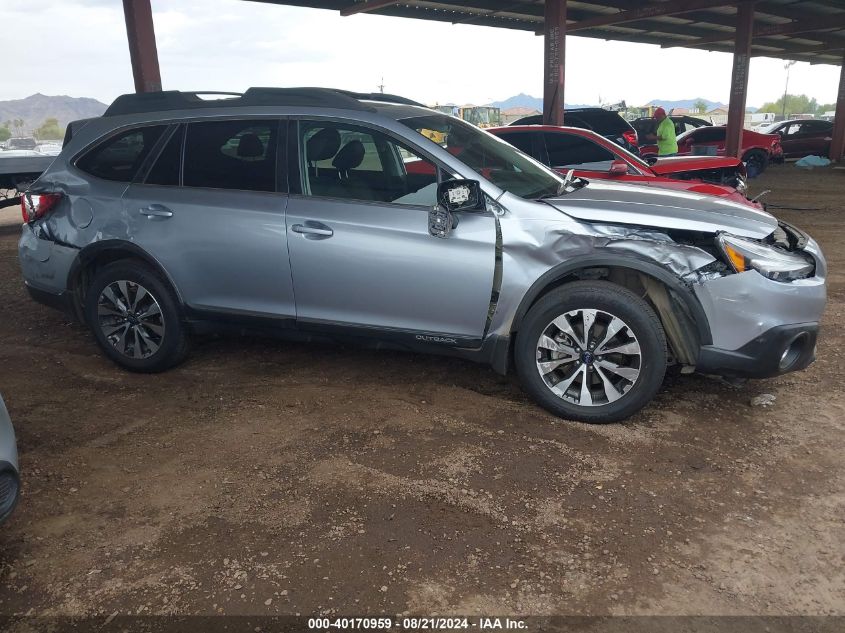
(313, 97)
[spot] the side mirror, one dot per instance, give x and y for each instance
(460, 195)
(452, 196)
(618, 168)
(440, 221)
(651, 159)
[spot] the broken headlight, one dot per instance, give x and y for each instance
(744, 254)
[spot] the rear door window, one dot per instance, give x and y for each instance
(570, 150)
(119, 157)
(232, 154)
(811, 128)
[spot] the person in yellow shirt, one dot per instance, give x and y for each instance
(667, 143)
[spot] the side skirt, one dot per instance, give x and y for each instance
(492, 350)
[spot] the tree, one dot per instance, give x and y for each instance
(49, 130)
(5, 133)
(795, 104)
(700, 106)
(18, 125)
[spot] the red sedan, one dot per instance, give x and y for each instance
(757, 151)
(592, 156)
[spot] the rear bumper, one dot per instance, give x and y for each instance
(44, 263)
(59, 301)
(776, 351)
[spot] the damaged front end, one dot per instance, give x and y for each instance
(708, 307)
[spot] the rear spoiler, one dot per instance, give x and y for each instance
(72, 128)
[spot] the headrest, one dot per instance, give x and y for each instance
(350, 156)
(324, 144)
(250, 146)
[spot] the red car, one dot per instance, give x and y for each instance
(757, 151)
(593, 156)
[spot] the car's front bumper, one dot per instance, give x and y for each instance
(779, 350)
(761, 327)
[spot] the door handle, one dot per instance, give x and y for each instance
(313, 230)
(156, 211)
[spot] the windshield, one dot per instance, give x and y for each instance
(494, 159)
(770, 129)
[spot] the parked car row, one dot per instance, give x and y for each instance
(316, 213)
(593, 156)
(696, 136)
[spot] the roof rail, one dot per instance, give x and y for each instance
(177, 100)
(381, 97)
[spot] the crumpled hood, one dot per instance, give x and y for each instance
(675, 164)
(617, 203)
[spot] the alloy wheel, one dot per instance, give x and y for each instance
(588, 357)
(130, 319)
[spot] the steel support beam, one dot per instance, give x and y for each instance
(554, 63)
(142, 45)
(739, 78)
(646, 11)
(367, 6)
(810, 25)
(837, 143)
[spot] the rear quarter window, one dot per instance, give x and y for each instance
(119, 157)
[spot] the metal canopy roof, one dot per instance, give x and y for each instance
(804, 30)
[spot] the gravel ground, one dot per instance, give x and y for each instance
(264, 477)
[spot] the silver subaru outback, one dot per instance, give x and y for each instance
(318, 213)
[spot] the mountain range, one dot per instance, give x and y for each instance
(38, 107)
(536, 103)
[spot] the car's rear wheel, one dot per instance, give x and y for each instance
(756, 162)
(591, 351)
(135, 318)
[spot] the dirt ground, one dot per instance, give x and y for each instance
(264, 477)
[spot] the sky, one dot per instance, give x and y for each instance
(234, 44)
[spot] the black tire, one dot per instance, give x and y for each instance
(610, 300)
(756, 162)
(172, 344)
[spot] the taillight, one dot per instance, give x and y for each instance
(630, 136)
(36, 205)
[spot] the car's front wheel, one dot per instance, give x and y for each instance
(591, 351)
(135, 317)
